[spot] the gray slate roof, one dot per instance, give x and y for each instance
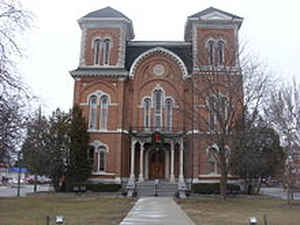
(182, 51)
(133, 51)
(212, 9)
(107, 12)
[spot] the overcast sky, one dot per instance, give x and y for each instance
(270, 29)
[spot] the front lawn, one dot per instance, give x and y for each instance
(236, 211)
(77, 210)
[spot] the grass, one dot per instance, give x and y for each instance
(77, 210)
(236, 211)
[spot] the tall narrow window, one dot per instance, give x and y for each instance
(93, 112)
(220, 52)
(91, 155)
(106, 51)
(223, 109)
(169, 106)
(212, 103)
(101, 150)
(211, 155)
(147, 103)
(102, 161)
(158, 108)
(103, 112)
(211, 52)
(218, 110)
(97, 45)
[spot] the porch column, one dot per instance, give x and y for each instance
(141, 175)
(172, 177)
(181, 177)
(132, 177)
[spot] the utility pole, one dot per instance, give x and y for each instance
(19, 174)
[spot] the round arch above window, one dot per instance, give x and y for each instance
(161, 51)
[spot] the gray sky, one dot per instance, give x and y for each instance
(270, 30)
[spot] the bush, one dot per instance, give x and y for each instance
(214, 188)
(101, 187)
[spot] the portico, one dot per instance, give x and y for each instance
(151, 160)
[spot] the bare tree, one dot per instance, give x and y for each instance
(223, 101)
(14, 95)
(283, 112)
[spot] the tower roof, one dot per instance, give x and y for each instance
(106, 12)
(107, 16)
(212, 10)
(211, 16)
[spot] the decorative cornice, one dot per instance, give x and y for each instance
(157, 43)
(92, 72)
(161, 51)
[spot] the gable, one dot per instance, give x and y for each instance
(215, 16)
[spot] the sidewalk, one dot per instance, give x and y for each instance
(156, 211)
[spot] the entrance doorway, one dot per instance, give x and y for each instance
(157, 165)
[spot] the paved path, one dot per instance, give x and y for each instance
(156, 211)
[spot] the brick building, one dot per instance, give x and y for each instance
(137, 95)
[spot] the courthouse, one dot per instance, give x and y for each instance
(139, 97)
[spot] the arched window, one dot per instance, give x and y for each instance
(212, 154)
(100, 159)
(218, 112)
(157, 108)
(97, 45)
(91, 157)
(103, 112)
(211, 52)
(93, 112)
(106, 51)
(147, 103)
(212, 102)
(169, 107)
(220, 52)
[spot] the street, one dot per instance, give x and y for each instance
(11, 190)
(278, 192)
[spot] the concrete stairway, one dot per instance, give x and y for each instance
(151, 188)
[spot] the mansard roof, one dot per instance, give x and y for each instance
(106, 12)
(211, 10)
(180, 48)
(136, 48)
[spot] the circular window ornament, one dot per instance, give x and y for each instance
(158, 69)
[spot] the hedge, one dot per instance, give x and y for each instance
(97, 187)
(101, 187)
(214, 188)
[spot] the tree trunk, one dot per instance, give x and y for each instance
(258, 186)
(223, 184)
(35, 183)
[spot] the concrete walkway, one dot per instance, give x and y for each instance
(156, 211)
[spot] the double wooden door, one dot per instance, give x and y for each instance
(157, 165)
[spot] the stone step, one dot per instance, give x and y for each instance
(150, 188)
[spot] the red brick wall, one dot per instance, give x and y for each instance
(113, 33)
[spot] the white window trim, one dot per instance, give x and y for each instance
(104, 148)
